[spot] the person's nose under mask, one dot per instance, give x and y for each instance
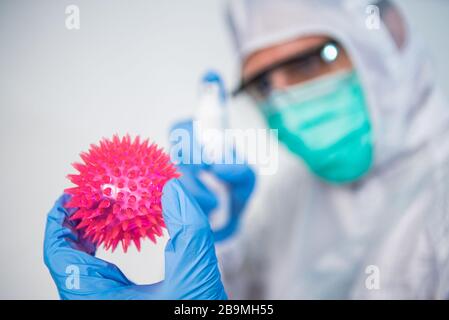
(326, 123)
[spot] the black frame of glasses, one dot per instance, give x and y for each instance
(244, 84)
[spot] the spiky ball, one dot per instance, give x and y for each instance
(118, 192)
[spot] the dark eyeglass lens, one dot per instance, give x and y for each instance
(260, 88)
(301, 69)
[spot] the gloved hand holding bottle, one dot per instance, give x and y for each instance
(239, 181)
(191, 270)
(200, 151)
(204, 155)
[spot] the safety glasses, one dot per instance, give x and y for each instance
(301, 68)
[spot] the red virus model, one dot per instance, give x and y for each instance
(118, 192)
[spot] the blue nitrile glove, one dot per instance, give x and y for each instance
(191, 270)
(238, 178)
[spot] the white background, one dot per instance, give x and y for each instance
(132, 67)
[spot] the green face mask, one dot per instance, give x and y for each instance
(326, 123)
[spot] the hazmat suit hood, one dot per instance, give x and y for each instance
(394, 68)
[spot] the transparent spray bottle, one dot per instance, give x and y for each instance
(211, 121)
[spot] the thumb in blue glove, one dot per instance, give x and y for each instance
(191, 270)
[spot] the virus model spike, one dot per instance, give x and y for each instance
(118, 192)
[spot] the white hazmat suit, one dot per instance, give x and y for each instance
(384, 237)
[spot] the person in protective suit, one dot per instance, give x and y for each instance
(363, 212)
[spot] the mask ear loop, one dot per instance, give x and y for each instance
(275, 102)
